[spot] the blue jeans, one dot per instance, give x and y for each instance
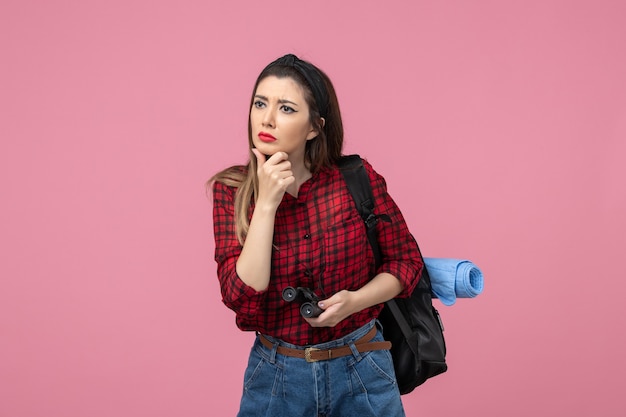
(362, 384)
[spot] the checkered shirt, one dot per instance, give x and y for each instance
(320, 243)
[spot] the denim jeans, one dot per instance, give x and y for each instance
(361, 384)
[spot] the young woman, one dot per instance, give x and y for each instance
(287, 219)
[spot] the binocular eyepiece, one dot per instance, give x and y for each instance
(306, 298)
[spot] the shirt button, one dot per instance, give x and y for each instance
(307, 236)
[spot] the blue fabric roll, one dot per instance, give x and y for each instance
(452, 278)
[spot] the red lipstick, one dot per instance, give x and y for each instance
(266, 137)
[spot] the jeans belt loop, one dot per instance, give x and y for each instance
(355, 352)
(273, 353)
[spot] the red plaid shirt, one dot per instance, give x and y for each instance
(320, 243)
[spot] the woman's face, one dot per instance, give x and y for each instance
(279, 118)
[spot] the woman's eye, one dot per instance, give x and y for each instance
(287, 109)
(259, 104)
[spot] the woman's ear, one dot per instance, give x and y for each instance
(314, 132)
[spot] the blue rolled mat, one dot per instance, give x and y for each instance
(452, 278)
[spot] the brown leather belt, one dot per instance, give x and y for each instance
(312, 354)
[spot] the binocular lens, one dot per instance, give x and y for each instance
(310, 310)
(290, 294)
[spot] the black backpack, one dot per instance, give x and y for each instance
(412, 324)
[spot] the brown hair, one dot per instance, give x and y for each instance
(321, 152)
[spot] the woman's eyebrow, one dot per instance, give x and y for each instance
(280, 101)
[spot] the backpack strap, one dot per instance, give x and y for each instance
(358, 183)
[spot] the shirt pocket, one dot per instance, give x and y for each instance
(346, 261)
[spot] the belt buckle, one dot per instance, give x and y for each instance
(307, 354)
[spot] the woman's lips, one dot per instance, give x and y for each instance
(266, 137)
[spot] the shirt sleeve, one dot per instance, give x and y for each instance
(236, 294)
(400, 254)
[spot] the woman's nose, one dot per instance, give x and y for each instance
(268, 118)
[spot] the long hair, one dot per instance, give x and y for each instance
(324, 151)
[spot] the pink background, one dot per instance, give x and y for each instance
(499, 125)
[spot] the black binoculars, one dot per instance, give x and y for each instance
(307, 299)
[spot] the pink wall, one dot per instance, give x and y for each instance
(500, 127)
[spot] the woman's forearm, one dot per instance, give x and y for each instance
(255, 261)
(381, 288)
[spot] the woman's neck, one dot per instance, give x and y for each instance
(302, 174)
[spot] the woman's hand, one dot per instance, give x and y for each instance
(336, 308)
(379, 289)
(275, 176)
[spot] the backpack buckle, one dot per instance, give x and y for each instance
(371, 221)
